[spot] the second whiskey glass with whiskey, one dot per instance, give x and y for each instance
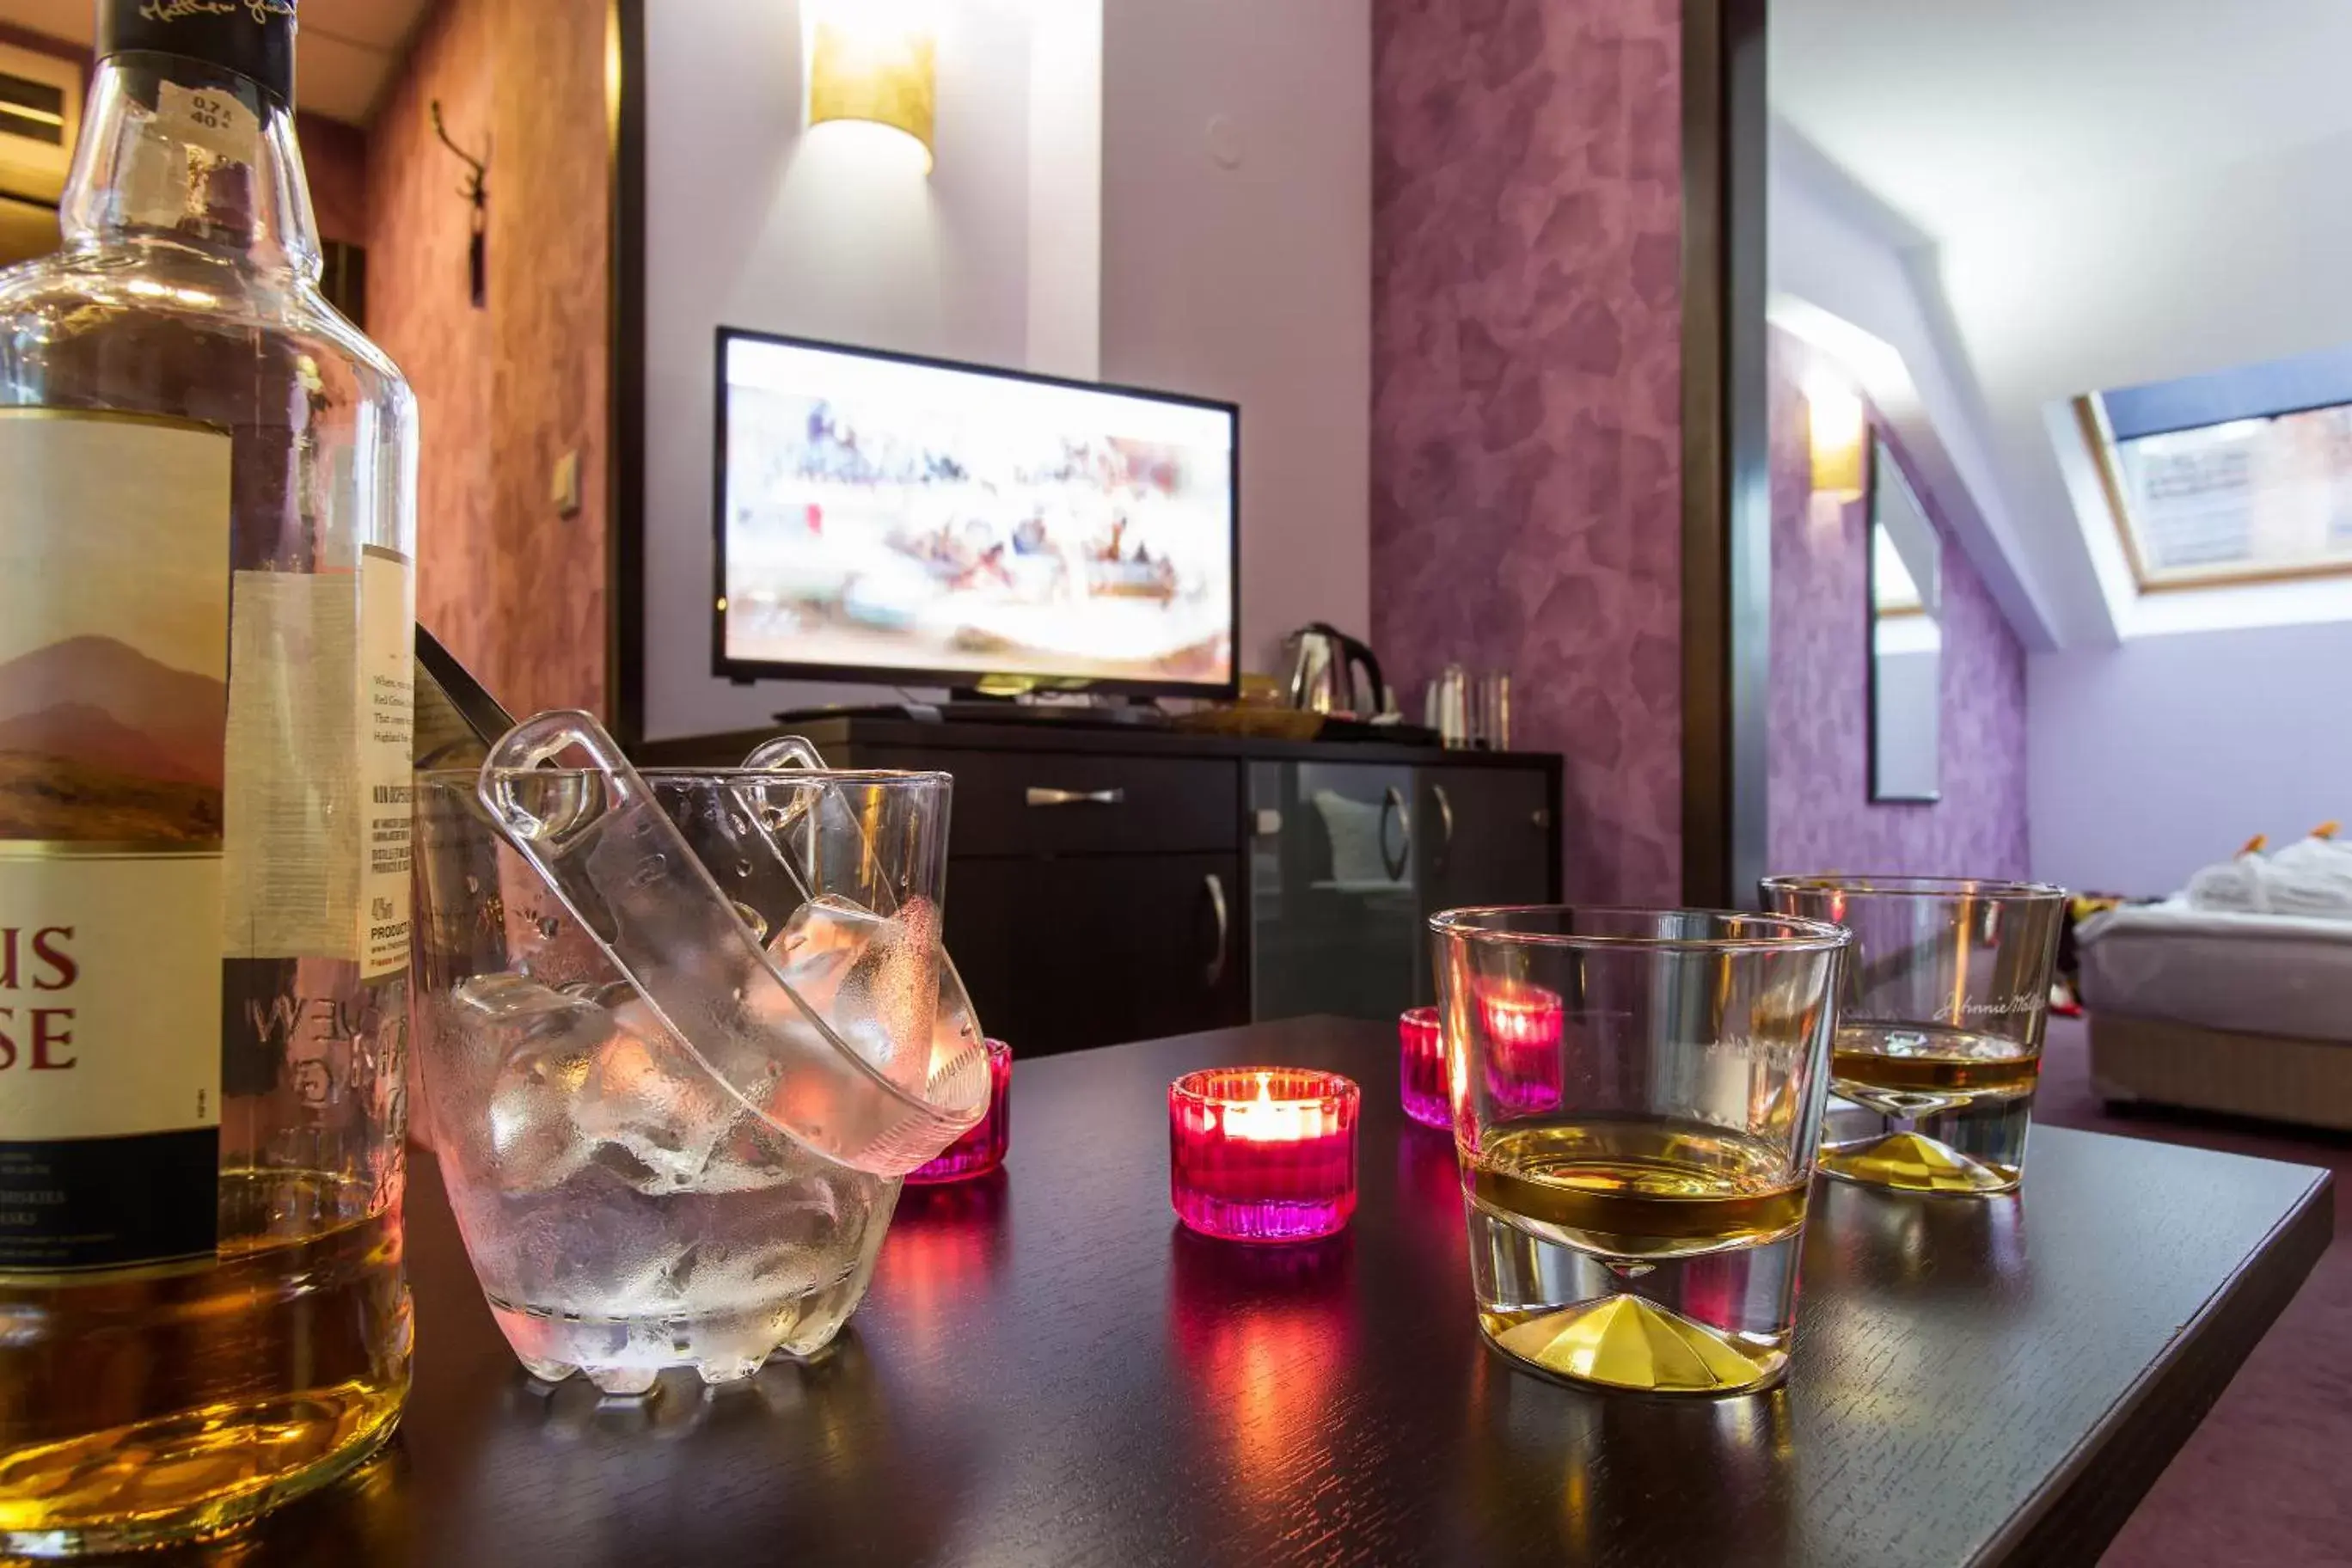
(1939, 1036)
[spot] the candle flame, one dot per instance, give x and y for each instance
(1266, 1119)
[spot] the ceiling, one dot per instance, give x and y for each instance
(1955, 112)
(349, 49)
(2060, 197)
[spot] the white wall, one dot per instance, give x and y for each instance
(1237, 162)
(2153, 759)
(836, 233)
(1065, 121)
(1083, 219)
(1835, 248)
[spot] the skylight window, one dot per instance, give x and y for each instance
(2240, 476)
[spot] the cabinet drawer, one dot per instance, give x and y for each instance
(1070, 802)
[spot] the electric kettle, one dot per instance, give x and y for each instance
(1323, 665)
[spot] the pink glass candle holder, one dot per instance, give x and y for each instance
(1421, 1068)
(1263, 1153)
(981, 1149)
(1523, 1032)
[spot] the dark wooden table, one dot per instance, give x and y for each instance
(1050, 1370)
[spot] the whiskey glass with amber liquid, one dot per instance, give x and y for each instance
(1939, 1036)
(1637, 1095)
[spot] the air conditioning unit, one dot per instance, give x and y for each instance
(40, 117)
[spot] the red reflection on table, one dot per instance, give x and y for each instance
(1269, 1336)
(1523, 1026)
(1263, 1153)
(1421, 1068)
(981, 1149)
(1429, 1180)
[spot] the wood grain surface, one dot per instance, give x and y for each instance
(1050, 1370)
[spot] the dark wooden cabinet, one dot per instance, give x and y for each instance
(1112, 885)
(1059, 801)
(1485, 837)
(1067, 952)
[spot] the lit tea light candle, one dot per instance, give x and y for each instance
(1263, 1153)
(1524, 1025)
(1522, 1015)
(1421, 1068)
(982, 1149)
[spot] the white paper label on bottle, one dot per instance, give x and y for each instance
(320, 715)
(292, 869)
(216, 120)
(113, 681)
(387, 698)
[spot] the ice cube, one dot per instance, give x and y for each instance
(653, 1112)
(800, 1237)
(533, 1144)
(754, 1156)
(513, 1001)
(817, 947)
(542, 1041)
(874, 980)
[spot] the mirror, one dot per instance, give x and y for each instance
(1907, 638)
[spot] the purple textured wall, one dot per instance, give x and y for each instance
(1822, 815)
(1526, 392)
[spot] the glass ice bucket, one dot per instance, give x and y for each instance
(682, 1035)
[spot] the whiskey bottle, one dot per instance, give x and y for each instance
(207, 530)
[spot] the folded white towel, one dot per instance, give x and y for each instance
(2312, 878)
(2233, 885)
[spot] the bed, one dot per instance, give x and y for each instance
(2249, 1013)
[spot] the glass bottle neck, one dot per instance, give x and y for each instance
(176, 151)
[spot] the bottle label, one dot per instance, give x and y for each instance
(114, 643)
(387, 709)
(210, 118)
(302, 883)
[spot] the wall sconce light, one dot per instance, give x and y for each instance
(870, 62)
(1840, 437)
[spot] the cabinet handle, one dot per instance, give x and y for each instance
(1216, 887)
(1444, 821)
(1039, 796)
(1393, 804)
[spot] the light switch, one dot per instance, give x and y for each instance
(563, 486)
(1224, 139)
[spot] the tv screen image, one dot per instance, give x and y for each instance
(883, 517)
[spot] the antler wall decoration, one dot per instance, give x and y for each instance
(477, 192)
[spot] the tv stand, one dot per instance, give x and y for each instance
(996, 710)
(1122, 883)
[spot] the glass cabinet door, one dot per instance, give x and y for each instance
(1334, 908)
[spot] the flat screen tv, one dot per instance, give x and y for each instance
(913, 521)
